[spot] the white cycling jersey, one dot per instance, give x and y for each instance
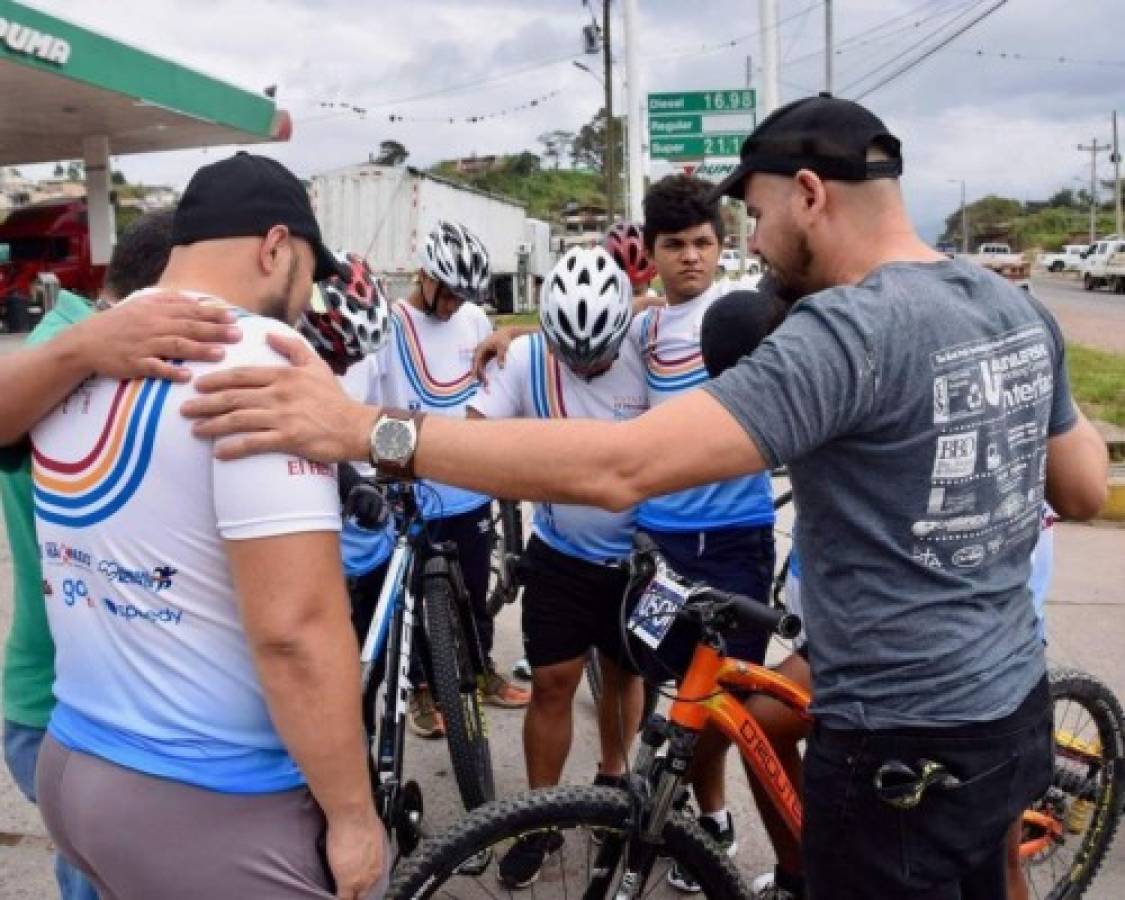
(668, 340)
(533, 384)
(427, 367)
(153, 671)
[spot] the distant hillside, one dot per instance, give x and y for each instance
(544, 191)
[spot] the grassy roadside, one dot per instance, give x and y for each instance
(528, 318)
(1097, 380)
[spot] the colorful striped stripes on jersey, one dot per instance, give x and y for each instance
(546, 381)
(86, 491)
(433, 393)
(668, 374)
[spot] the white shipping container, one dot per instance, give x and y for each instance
(383, 212)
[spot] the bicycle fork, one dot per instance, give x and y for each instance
(654, 787)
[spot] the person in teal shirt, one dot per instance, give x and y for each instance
(29, 655)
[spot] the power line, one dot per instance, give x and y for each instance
(845, 45)
(1016, 56)
(733, 42)
(912, 47)
(944, 42)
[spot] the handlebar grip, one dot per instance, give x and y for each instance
(758, 615)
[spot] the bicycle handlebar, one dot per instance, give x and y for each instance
(747, 611)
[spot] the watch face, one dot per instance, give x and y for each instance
(394, 441)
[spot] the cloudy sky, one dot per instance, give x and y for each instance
(976, 111)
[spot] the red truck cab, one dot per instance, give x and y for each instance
(52, 236)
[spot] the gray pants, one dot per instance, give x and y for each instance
(141, 838)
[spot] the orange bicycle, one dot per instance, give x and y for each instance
(618, 842)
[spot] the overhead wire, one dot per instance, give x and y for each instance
(910, 64)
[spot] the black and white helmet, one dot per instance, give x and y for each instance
(585, 308)
(455, 256)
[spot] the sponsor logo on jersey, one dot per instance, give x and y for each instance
(129, 612)
(156, 580)
(66, 555)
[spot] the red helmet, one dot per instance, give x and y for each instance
(345, 321)
(626, 244)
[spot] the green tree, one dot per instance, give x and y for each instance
(75, 171)
(59, 170)
(1065, 197)
(118, 177)
(988, 214)
(391, 153)
(522, 164)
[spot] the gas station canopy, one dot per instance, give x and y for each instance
(62, 84)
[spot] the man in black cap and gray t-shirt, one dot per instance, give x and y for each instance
(923, 409)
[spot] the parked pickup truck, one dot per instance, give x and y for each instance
(1095, 267)
(1068, 260)
(1001, 260)
(1113, 275)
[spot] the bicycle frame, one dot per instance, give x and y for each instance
(394, 615)
(702, 699)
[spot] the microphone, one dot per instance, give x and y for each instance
(736, 323)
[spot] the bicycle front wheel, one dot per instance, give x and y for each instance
(458, 695)
(1067, 833)
(586, 819)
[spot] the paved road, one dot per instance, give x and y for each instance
(1086, 614)
(1093, 318)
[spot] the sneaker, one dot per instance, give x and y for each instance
(521, 670)
(680, 879)
(498, 691)
(526, 857)
(423, 718)
(765, 887)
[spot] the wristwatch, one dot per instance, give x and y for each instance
(394, 438)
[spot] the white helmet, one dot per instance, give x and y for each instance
(585, 308)
(455, 256)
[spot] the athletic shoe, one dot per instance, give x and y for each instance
(526, 857)
(680, 879)
(521, 670)
(498, 691)
(765, 887)
(424, 718)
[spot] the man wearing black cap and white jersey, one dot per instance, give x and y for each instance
(923, 409)
(208, 727)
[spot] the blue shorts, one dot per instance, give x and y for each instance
(738, 559)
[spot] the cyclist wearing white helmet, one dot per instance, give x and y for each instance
(578, 367)
(426, 367)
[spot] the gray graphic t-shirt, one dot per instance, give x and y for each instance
(913, 411)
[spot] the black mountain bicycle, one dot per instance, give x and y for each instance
(424, 577)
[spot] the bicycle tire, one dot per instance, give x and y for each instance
(605, 809)
(1098, 701)
(458, 695)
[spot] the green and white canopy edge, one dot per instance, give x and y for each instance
(70, 93)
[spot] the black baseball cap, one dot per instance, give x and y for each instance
(824, 134)
(245, 196)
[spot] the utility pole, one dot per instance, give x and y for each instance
(828, 45)
(1094, 149)
(964, 221)
(635, 121)
(1116, 160)
(610, 150)
(771, 55)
